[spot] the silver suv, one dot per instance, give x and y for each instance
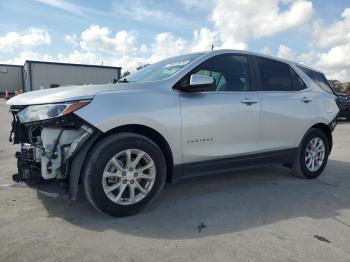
(189, 115)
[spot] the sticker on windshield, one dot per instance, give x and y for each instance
(177, 64)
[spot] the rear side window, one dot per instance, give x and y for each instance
(318, 78)
(274, 75)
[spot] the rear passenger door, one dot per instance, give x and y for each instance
(287, 106)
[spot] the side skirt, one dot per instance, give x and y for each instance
(225, 165)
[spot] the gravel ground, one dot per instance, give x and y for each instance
(259, 215)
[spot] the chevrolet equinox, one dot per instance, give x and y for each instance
(190, 115)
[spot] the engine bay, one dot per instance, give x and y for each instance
(47, 146)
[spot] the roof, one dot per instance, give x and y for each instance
(11, 65)
(220, 51)
(69, 64)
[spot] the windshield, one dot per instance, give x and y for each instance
(161, 70)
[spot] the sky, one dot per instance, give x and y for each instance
(131, 33)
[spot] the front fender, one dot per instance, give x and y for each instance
(154, 109)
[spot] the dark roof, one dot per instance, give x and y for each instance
(84, 65)
(10, 65)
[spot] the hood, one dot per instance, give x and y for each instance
(60, 94)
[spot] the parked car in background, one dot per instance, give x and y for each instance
(190, 115)
(343, 102)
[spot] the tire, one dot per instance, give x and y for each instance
(102, 174)
(300, 167)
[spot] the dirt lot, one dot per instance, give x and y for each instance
(257, 215)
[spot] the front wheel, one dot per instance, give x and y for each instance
(124, 173)
(312, 155)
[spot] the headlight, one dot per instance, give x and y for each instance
(43, 112)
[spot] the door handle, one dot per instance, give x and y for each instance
(306, 99)
(249, 102)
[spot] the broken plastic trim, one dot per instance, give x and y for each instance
(78, 142)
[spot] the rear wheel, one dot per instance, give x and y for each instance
(312, 155)
(124, 173)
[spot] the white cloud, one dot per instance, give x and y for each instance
(129, 63)
(266, 50)
(234, 23)
(80, 57)
(337, 57)
(334, 58)
(27, 55)
(340, 75)
(85, 57)
(29, 39)
(64, 5)
(335, 62)
(138, 12)
(237, 21)
(285, 52)
(336, 34)
(166, 45)
(203, 40)
(72, 40)
(99, 38)
(198, 4)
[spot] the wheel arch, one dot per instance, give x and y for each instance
(327, 131)
(152, 134)
(79, 162)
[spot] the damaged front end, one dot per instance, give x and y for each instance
(50, 137)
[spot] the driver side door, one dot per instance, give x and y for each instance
(221, 123)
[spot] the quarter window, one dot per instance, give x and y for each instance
(274, 75)
(318, 78)
(230, 72)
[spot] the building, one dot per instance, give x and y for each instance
(35, 75)
(11, 78)
(41, 75)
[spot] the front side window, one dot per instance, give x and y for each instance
(230, 73)
(318, 78)
(274, 75)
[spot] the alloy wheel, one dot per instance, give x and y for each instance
(315, 154)
(129, 176)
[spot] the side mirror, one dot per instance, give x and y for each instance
(199, 83)
(200, 80)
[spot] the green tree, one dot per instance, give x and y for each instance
(336, 85)
(334, 82)
(142, 66)
(125, 73)
(347, 88)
